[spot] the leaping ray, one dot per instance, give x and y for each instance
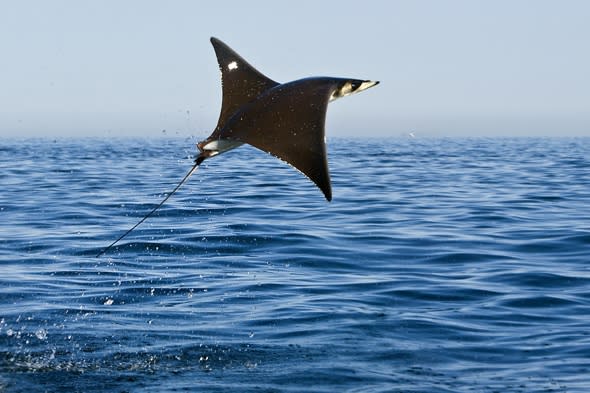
(286, 120)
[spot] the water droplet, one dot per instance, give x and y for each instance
(41, 334)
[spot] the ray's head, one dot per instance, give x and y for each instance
(351, 86)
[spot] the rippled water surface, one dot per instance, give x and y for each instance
(441, 265)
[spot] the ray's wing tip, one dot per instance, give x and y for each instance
(327, 193)
(216, 42)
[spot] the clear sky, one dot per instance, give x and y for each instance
(110, 68)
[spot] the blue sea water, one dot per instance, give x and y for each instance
(441, 265)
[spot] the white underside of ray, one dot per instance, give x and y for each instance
(219, 146)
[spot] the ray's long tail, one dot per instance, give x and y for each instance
(184, 179)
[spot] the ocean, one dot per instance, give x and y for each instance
(441, 265)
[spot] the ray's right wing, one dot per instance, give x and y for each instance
(241, 83)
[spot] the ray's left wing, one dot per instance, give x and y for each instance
(288, 122)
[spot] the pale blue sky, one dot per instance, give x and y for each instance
(110, 68)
